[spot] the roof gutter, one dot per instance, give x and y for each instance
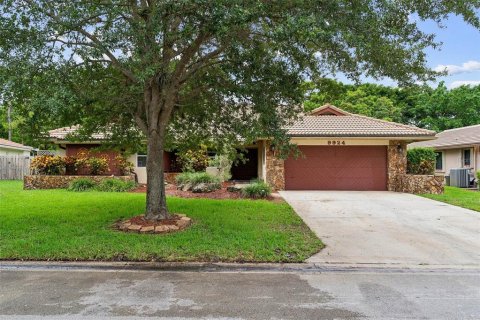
(412, 137)
(15, 148)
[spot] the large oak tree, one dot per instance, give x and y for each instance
(219, 68)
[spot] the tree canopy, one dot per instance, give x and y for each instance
(436, 108)
(181, 69)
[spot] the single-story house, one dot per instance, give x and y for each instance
(339, 151)
(10, 148)
(455, 148)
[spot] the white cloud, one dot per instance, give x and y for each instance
(468, 66)
(459, 83)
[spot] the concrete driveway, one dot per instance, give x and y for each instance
(388, 228)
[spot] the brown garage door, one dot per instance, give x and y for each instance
(337, 168)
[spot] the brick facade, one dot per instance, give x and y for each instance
(73, 150)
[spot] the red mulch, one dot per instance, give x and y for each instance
(140, 220)
(171, 190)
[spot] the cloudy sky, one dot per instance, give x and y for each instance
(459, 54)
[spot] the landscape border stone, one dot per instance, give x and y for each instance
(177, 223)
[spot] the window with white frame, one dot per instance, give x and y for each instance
(439, 161)
(141, 160)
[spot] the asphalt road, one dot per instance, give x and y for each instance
(330, 294)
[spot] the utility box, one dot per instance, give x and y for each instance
(459, 177)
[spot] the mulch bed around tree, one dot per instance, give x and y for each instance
(223, 193)
(139, 224)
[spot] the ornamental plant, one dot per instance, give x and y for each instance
(115, 185)
(421, 161)
(97, 166)
(257, 190)
(224, 164)
(194, 160)
(93, 165)
(70, 165)
(48, 165)
(81, 184)
(125, 166)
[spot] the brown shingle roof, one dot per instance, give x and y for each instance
(453, 137)
(13, 145)
(351, 125)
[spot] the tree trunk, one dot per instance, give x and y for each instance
(156, 200)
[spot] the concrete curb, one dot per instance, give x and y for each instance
(229, 267)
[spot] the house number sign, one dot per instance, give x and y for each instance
(336, 142)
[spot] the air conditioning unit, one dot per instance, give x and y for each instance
(459, 177)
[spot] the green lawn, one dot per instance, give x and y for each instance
(64, 225)
(458, 197)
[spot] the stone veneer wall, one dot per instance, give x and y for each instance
(396, 162)
(275, 169)
(62, 182)
(411, 183)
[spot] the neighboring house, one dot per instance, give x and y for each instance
(10, 148)
(14, 160)
(340, 151)
(455, 148)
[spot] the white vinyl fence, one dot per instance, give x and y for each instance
(14, 167)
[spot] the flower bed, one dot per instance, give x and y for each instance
(85, 163)
(62, 182)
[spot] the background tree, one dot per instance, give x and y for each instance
(225, 68)
(437, 108)
(373, 100)
(441, 109)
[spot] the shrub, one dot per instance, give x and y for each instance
(196, 178)
(81, 184)
(224, 164)
(95, 166)
(115, 185)
(70, 165)
(478, 179)
(125, 166)
(48, 165)
(257, 189)
(193, 160)
(197, 182)
(421, 161)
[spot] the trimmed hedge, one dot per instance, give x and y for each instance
(421, 161)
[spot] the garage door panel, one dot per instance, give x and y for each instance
(337, 168)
